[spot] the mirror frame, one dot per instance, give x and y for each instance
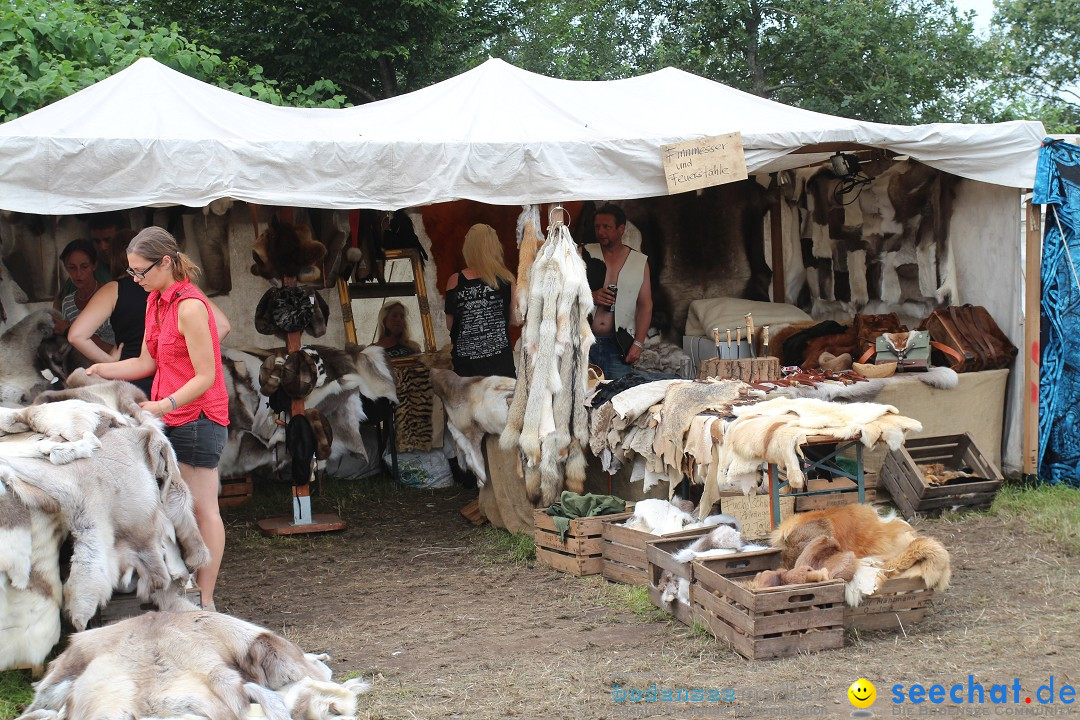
(349, 291)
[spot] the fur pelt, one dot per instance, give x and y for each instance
(201, 664)
(658, 517)
(474, 406)
(722, 537)
(886, 546)
(19, 380)
(773, 431)
(941, 378)
(547, 418)
(117, 395)
(139, 521)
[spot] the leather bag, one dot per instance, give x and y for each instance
(969, 338)
(909, 350)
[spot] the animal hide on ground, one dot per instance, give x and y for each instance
(886, 547)
(136, 522)
(474, 406)
(547, 419)
(189, 664)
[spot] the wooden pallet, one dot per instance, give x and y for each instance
(36, 671)
(581, 552)
(771, 623)
(901, 476)
(623, 550)
(236, 492)
(899, 603)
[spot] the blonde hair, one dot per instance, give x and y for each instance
(484, 255)
(404, 339)
(154, 243)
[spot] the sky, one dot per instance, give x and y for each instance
(984, 11)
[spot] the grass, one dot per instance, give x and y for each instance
(496, 545)
(15, 693)
(1050, 509)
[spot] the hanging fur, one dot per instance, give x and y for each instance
(546, 420)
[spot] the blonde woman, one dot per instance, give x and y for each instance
(394, 331)
(181, 346)
(478, 308)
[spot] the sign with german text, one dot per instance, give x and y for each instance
(705, 162)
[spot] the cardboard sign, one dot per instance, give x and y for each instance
(704, 162)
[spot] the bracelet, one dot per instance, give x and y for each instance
(170, 399)
(639, 344)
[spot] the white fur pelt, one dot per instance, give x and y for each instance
(773, 431)
(19, 380)
(658, 517)
(30, 590)
(941, 378)
(189, 664)
(547, 418)
(475, 406)
(128, 511)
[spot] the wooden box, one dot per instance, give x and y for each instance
(754, 512)
(235, 492)
(581, 552)
(850, 497)
(624, 550)
(901, 476)
(899, 603)
(771, 623)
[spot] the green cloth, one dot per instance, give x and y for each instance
(572, 506)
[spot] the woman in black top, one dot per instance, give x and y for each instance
(478, 308)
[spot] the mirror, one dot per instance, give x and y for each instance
(362, 303)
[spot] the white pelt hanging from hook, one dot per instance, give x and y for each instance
(547, 419)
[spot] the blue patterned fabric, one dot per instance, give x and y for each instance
(1057, 186)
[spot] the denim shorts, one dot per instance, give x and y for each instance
(198, 443)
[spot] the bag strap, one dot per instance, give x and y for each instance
(984, 334)
(870, 352)
(948, 351)
(963, 336)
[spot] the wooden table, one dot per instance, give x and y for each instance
(828, 464)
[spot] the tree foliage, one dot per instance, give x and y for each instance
(1038, 42)
(52, 48)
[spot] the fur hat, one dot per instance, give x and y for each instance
(324, 435)
(291, 309)
(280, 402)
(264, 324)
(317, 326)
(270, 373)
(300, 442)
(299, 375)
(286, 249)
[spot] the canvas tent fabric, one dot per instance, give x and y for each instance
(149, 135)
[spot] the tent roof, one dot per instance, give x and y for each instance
(498, 134)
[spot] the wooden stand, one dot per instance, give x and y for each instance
(302, 520)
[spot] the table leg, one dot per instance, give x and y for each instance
(774, 496)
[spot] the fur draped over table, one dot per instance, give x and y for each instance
(80, 464)
(547, 419)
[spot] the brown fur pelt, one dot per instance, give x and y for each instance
(835, 344)
(936, 474)
(888, 544)
(187, 664)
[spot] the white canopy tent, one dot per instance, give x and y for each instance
(497, 134)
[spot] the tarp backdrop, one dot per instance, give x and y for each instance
(149, 135)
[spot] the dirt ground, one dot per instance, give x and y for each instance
(450, 627)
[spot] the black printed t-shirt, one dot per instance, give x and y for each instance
(480, 331)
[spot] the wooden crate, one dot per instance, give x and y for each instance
(127, 605)
(772, 623)
(581, 552)
(235, 492)
(901, 476)
(623, 550)
(899, 602)
(820, 502)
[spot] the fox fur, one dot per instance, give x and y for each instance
(202, 664)
(886, 543)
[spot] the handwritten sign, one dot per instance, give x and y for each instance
(705, 162)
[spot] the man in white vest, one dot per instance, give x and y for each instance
(622, 317)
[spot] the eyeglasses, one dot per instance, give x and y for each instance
(140, 274)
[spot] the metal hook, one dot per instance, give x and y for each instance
(557, 208)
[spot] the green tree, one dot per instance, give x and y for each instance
(880, 60)
(52, 48)
(1038, 44)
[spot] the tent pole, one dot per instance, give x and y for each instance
(776, 233)
(1032, 314)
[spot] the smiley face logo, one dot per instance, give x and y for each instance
(862, 693)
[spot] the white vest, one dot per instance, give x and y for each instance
(631, 276)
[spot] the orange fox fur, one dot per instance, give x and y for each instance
(889, 543)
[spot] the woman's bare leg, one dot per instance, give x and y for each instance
(203, 483)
